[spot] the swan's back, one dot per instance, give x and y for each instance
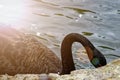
(21, 53)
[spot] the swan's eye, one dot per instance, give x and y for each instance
(95, 61)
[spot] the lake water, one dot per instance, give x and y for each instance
(51, 20)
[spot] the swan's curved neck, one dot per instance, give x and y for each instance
(66, 52)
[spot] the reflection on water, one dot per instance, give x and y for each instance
(51, 20)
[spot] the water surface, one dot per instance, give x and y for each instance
(51, 20)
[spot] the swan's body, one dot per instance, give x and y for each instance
(20, 53)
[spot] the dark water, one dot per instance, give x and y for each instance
(51, 20)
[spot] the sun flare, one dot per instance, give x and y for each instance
(11, 11)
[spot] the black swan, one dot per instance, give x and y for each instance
(24, 54)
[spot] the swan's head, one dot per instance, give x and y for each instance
(98, 59)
